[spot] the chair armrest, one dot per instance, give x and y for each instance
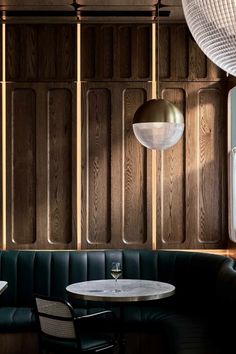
(95, 315)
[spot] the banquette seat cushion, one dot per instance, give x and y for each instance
(192, 321)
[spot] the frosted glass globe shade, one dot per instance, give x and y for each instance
(213, 26)
(158, 135)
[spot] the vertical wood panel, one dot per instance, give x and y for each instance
(171, 215)
(98, 165)
(197, 61)
(22, 169)
(164, 51)
(108, 52)
(181, 59)
(41, 190)
(65, 52)
(88, 45)
(60, 165)
(191, 178)
(135, 174)
(116, 169)
(179, 47)
(47, 39)
(40, 52)
(210, 162)
(125, 51)
(144, 51)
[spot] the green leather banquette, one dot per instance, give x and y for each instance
(194, 321)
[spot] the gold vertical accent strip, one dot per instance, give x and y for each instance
(4, 238)
(78, 136)
(154, 154)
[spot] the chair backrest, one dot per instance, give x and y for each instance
(55, 318)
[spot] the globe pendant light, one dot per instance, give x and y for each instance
(213, 26)
(157, 124)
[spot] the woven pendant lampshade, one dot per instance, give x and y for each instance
(213, 26)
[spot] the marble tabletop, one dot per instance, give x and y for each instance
(3, 286)
(127, 290)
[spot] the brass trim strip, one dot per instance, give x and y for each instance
(4, 136)
(78, 137)
(154, 154)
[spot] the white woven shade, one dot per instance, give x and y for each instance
(213, 26)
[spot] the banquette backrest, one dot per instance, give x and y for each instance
(195, 275)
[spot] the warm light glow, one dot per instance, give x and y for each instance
(212, 24)
(154, 154)
(4, 136)
(158, 135)
(78, 137)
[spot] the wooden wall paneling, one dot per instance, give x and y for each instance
(179, 52)
(40, 52)
(21, 155)
(60, 156)
(171, 217)
(97, 185)
(135, 175)
(125, 51)
(212, 138)
(144, 52)
(202, 168)
(120, 52)
(41, 210)
(116, 184)
(108, 44)
(181, 59)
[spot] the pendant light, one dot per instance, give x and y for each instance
(212, 24)
(158, 124)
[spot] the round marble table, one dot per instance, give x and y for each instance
(127, 290)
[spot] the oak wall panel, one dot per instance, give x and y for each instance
(180, 57)
(40, 52)
(171, 216)
(98, 215)
(192, 193)
(41, 190)
(118, 52)
(60, 165)
(211, 158)
(125, 51)
(116, 169)
(22, 172)
(135, 173)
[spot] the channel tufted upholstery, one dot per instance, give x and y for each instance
(188, 320)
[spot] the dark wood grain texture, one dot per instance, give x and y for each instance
(40, 52)
(210, 155)
(116, 52)
(180, 57)
(41, 189)
(192, 194)
(99, 166)
(116, 178)
(171, 216)
(135, 174)
(60, 165)
(21, 159)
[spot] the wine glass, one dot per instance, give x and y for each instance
(116, 273)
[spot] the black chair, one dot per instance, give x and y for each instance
(62, 332)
